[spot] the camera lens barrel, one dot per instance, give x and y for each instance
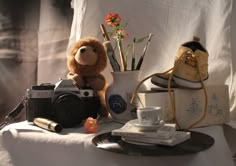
(68, 109)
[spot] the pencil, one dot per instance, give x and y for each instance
(144, 52)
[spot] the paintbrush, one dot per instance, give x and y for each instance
(144, 53)
(109, 49)
(133, 56)
(111, 56)
(104, 33)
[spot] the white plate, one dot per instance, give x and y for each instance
(136, 123)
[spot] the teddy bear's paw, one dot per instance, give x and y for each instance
(78, 81)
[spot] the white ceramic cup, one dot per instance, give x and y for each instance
(149, 115)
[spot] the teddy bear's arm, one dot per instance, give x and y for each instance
(97, 83)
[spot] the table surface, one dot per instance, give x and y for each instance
(25, 144)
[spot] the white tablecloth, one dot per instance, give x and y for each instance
(23, 144)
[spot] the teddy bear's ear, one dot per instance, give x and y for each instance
(73, 51)
(71, 64)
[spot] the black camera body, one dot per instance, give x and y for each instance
(63, 102)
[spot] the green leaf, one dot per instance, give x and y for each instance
(110, 34)
(141, 39)
(125, 25)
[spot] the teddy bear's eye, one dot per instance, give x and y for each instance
(94, 50)
(82, 50)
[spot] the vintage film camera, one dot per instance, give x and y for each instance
(63, 102)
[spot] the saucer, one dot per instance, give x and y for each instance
(136, 123)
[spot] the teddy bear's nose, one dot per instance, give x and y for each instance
(82, 50)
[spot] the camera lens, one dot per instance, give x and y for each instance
(68, 110)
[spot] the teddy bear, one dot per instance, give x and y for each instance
(85, 61)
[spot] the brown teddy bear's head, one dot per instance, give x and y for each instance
(87, 57)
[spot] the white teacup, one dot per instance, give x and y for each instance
(149, 115)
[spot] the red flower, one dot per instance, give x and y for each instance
(121, 34)
(113, 19)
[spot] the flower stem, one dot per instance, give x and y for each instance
(122, 57)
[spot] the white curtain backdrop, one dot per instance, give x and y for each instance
(18, 50)
(53, 34)
(43, 32)
(172, 22)
(33, 42)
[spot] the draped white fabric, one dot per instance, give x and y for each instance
(44, 32)
(74, 147)
(54, 30)
(172, 22)
(18, 51)
(33, 42)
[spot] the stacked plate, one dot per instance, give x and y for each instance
(161, 133)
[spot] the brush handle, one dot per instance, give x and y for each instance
(144, 52)
(139, 63)
(133, 64)
(104, 33)
(122, 56)
(111, 56)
